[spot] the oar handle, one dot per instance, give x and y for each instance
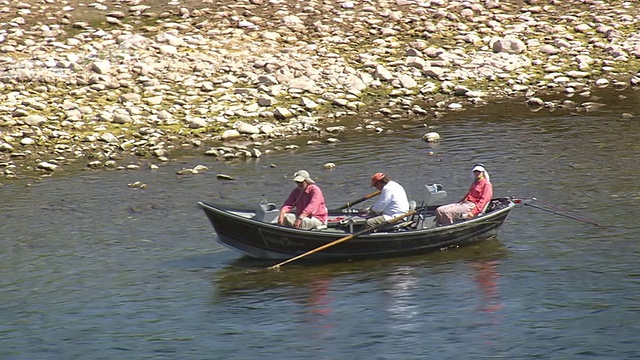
(349, 237)
(366, 197)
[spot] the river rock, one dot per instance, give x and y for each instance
(508, 45)
(230, 134)
(244, 128)
(182, 68)
(48, 166)
(431, 137)
(34, 120)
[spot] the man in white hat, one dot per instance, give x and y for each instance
(472, 204)
(308, 201)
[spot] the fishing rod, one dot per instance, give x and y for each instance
(558, 211)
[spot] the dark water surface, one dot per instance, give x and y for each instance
(93, 269)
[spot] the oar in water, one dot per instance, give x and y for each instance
(367, 197)
(349, 237)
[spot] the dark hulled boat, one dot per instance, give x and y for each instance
(254, 232)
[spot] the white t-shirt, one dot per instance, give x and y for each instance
(392, 202)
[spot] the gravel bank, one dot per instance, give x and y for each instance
(102, 82)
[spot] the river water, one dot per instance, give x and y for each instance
(93, 269)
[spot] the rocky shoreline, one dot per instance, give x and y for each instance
(113, 81)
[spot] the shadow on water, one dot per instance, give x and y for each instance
(246, 276)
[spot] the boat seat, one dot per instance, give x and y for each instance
(427, 222)
(352, 223)
(410, 222)
(479, 214)
(486, 206)
(404, 224)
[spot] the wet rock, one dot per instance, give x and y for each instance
(534, 102)
(431, 137)
(137, 185)
(185, 172)
(199, 168)
(48, 166)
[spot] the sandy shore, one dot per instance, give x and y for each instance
(105, 83)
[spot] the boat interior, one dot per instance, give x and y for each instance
(349, 220)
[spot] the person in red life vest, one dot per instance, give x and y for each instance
(308, 201)
(472, 204)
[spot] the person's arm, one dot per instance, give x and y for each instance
(287, 206)
(383, 201)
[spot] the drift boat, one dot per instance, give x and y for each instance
(255, 232)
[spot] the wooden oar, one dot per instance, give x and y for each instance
(349, 237)
(367, 197)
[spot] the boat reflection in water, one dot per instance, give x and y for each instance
(487, 277)
(323, 296)
(406, 287)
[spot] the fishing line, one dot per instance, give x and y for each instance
(560, 211)
(577, 217)
(566, 214)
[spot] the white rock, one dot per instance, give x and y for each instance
(199, 169)
(267, 129)
(431, 137)
(230, 134)
(383, 74)
(47, 166)
(27, 141)
(168, 50)
(35, 120)
(109, 138)
(197, 123)
(101, 67)
(245, 128)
